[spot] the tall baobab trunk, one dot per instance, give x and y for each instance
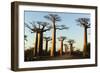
(53, 40)
(85, 42)
(66, 48)
(61, 39)
(71, 49)
(61, 48)
(47, 39)
(41, 44)
(38, 49)
(36, 42)
(46, 47)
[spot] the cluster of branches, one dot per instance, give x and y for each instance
(40, 27)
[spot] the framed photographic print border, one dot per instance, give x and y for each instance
(15, 34)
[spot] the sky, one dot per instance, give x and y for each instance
(74, 32)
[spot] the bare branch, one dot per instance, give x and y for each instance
(61, 27)
(28, 26)
(48, 28)
(47, 38)
(62, 38)
(70, 41)
(32, 29)
(53, 17)
(43, 24)
(83, 22)
(33, 24)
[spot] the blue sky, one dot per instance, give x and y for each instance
(74, 32)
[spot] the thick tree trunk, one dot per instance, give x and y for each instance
(53, 49)
(46, 47)
(66, 49)
(71, 49)
(85, 42)
(36, 42)
(38, 49)
(61, 48)
(53, 44)
(41, 44)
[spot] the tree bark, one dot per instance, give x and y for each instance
(36, 42)
(53, 40)
(46, 47)
(85, 42)
(71, 49)
(38, 49)
(61, 49)
(40, 43)
(66, 49)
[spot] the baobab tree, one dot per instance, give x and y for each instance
(40, 34)
(71, 42)
(66, 48)
(39, 28)
(85, 23)
(61, 39)
(54, 18)
(34, 29)
(47, 39)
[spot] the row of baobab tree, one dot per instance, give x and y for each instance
(40, 27)
(60, 50)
